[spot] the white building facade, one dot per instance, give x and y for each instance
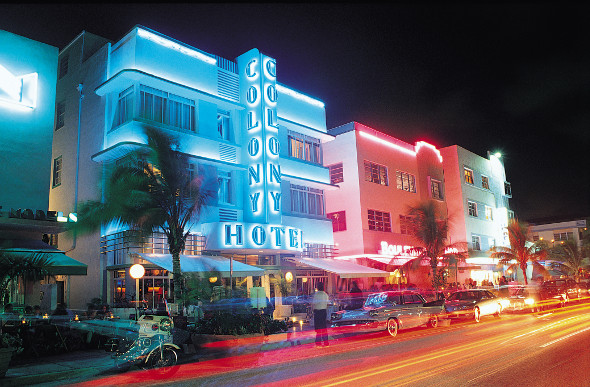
(478, 206)
(257, 141)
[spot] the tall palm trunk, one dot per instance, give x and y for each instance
(523, 268)
(176, 245)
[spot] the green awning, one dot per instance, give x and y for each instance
(62, 264)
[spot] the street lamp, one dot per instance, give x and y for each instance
(136, 271)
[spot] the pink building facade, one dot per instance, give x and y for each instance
(379, 178)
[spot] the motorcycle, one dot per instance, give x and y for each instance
(151, 349)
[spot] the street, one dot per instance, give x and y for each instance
(517, 349)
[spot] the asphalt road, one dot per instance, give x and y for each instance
(545, 349)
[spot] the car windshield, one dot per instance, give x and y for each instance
(465, 296)
(379, 299)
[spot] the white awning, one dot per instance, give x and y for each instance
(204, 263)
(344, 269)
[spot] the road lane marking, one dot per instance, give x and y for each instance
(564, 337)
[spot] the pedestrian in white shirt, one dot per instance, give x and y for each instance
(320, 306)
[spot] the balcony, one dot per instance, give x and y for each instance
(118, 248)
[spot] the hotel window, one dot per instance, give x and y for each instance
(485, 182)
(336, 175)
(63, 66)
(338, 220)
(223, 127)
(405, 181)
(563, 236)
(305, 147)
(436, 189)
(125, 107)
(405, 224)
(379, 221)
(225, 191)
(507, 189)
(376, 173)
(468, 176)
(472, 208)
(306, 200)
(475, 241)
(191, 174)
(165, 108)
(488, 213)
(57, 168)
(60, 115)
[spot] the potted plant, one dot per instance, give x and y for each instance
(9, 345)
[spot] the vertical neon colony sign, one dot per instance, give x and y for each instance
(18, 90)
(258, 79)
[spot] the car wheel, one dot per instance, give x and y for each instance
(498, 311)
(476, 315)
(433, 321)
(392, 327)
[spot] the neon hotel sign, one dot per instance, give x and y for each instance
(18, 90)
(263, 209)
(405, 251)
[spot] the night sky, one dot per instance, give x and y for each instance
(508, 78)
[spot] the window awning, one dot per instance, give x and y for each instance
(62, 264)
(204, 263)
(342, 268)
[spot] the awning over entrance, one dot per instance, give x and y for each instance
(62, 264)
(344, 269)
(204, 263)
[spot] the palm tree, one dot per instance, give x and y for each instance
(570, 257)
(521, 249)
(152, 191)
(32, 267)
(430, 230)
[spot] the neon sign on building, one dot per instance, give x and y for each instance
(261, 236)
(406, 251)
(19, 90)
(258, 77)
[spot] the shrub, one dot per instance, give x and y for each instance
(225, 323)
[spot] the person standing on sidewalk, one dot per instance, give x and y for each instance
(319, 303)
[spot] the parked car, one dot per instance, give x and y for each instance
(392, 311)
(474, 303)
(566, 289)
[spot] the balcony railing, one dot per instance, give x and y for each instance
(315, 250)
(117, 247)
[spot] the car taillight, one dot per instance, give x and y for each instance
(154, 327)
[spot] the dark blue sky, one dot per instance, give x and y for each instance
(513, 78)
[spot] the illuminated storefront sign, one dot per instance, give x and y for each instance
(258, 84)
(52, 216)
(19, 90)
(406, 251)
(261, 236)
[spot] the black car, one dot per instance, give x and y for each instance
(565, 289)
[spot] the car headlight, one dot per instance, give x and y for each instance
(529, 301)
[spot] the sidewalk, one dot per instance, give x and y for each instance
(91, 363)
